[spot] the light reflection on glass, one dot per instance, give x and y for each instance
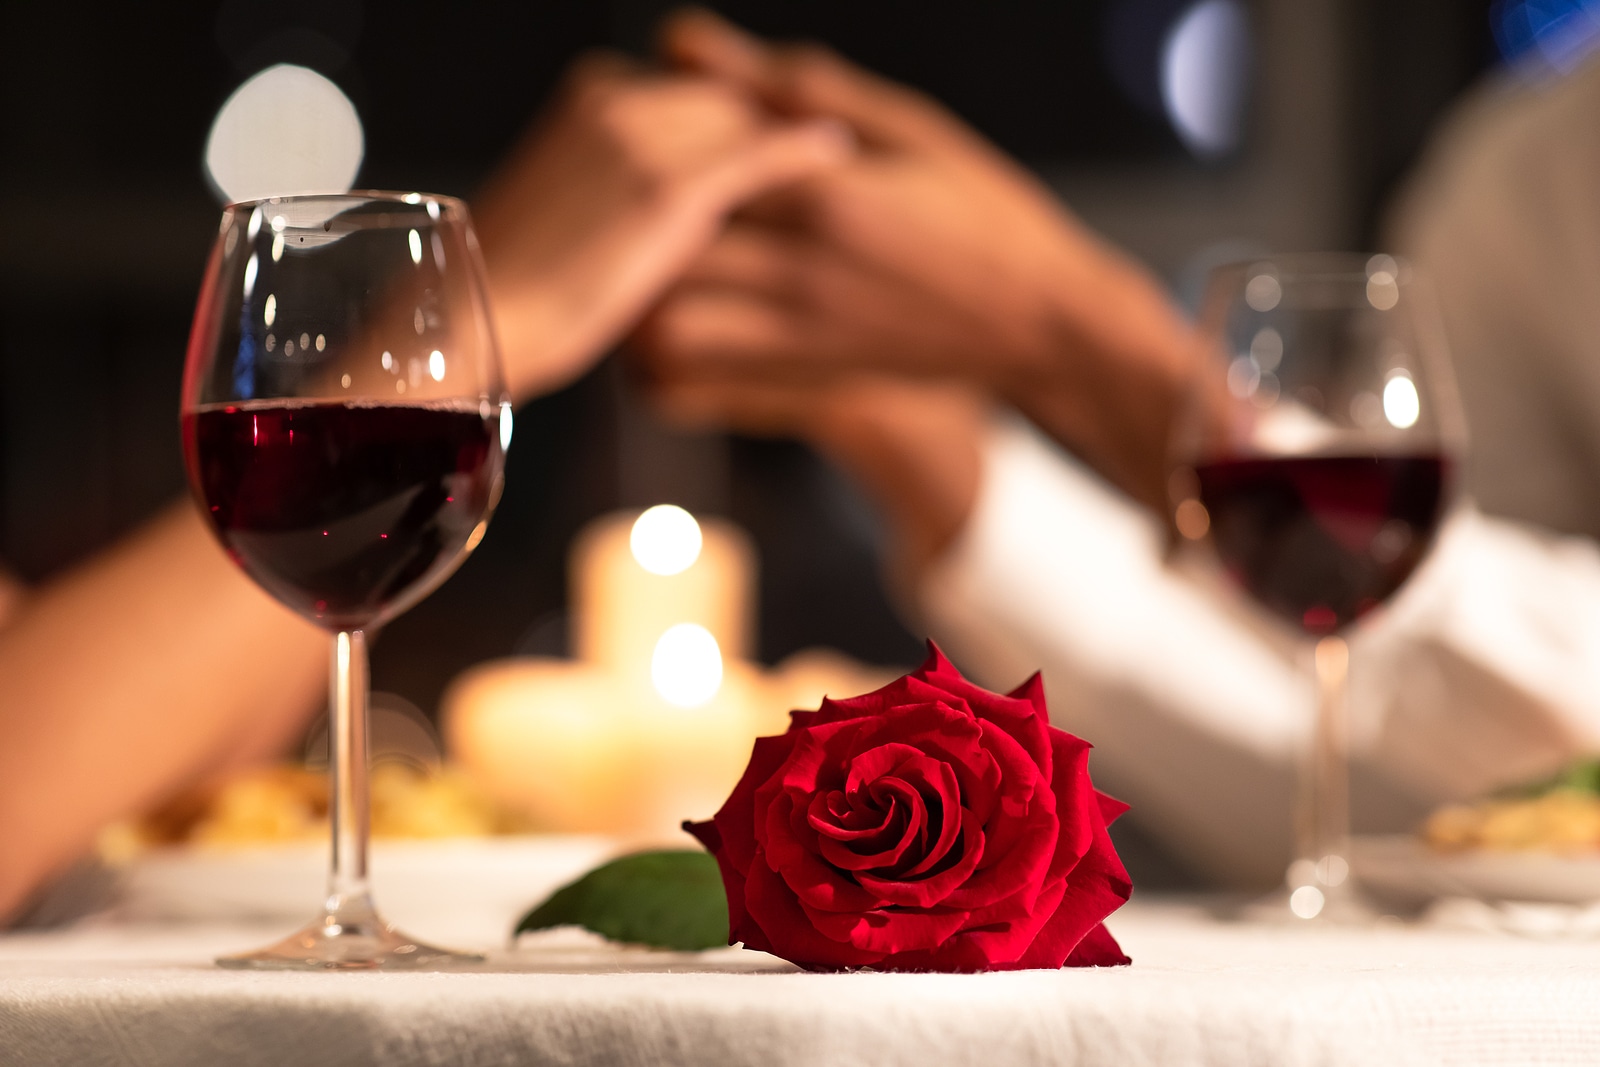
(1266, 348)
(1401, 404)
(1263, 292)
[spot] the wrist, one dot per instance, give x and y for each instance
(917, 451)
(1111, 370)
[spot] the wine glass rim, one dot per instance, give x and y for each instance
(406, 198)
(1321, 266)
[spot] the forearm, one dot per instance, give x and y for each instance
(137, 671)
(916, 451)
(1113, 370)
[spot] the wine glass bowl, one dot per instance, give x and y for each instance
(1316, 464)
(344, 426)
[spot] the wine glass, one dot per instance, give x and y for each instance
(1317, 464)
(344, 426)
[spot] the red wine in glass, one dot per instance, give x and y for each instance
(1322, 540)
(346, 512)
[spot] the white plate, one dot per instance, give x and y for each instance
(466, 891)
(1401, 866)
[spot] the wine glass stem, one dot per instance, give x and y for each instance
(1322, 830)
(349, 809)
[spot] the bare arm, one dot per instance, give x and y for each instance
(154, 662)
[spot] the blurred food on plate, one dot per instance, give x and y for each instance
(1560, 814)
(285, 803)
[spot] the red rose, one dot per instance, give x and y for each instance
(931, 826)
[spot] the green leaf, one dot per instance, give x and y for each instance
(671, 899)
(1582, 775)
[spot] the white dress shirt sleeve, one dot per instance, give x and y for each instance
(1485, 669)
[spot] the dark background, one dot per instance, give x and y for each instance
(107, 221)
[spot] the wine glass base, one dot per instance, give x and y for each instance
(340, 942)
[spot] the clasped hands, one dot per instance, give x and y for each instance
(790, 245)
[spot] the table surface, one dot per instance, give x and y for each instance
(1200, 991)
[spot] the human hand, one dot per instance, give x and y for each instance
(929, 254)
(626, 178)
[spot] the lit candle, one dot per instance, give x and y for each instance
(653, 721)
(635, 577)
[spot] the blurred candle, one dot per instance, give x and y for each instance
(577, 749)
(630, 585)
(652, 721)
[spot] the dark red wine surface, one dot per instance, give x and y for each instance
(1322, 540)
(347, 513)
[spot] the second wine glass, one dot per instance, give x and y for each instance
(1317, 464)
(344, 425)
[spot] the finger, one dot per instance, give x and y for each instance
(761, 409)
(759, 260)
(701, 333)
(805, 80)
(774, 158)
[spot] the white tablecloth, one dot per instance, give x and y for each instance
(1200, 991)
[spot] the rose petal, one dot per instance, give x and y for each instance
(1077, 806)
(864, 706)
(1097, 886)
(983, 945)
(1021, 835)
(1018, 716)
(1032, 691)
(929, 890)
(808, 876)
(833, 816)
(790, 931)
(911, 822)
(1111, 808)
(947, 734)
(943, 801)
(1098, 949)
(884, 931)
(735, 820)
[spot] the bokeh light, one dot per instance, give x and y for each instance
(285, 131)
(1205, 68)
(686, 667)
(1401, 404)
(665, 540)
